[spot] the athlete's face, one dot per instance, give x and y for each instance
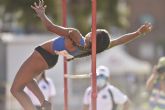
(88, 40)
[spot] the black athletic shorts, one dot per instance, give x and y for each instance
(51, 59)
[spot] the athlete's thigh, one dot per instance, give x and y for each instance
(29, 69)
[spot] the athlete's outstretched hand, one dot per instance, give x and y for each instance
(39, 8)
(147, 27)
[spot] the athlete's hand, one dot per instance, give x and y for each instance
(39, 8)
(147, 27)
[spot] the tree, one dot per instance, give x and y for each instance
(79, 12)
(26, 17)
(108, 14)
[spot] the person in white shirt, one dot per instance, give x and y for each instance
(46, 86)
(108, 96)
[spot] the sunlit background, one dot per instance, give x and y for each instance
(130, 64)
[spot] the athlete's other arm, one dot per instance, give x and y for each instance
(147, 27)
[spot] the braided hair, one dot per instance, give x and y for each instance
(102, 42)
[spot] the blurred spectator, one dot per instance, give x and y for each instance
(156, 85)
(46, 86)
(108, 96)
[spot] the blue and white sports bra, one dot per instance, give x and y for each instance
(59, 45)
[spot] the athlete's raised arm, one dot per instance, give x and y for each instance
(147, 27)
(39, 8)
